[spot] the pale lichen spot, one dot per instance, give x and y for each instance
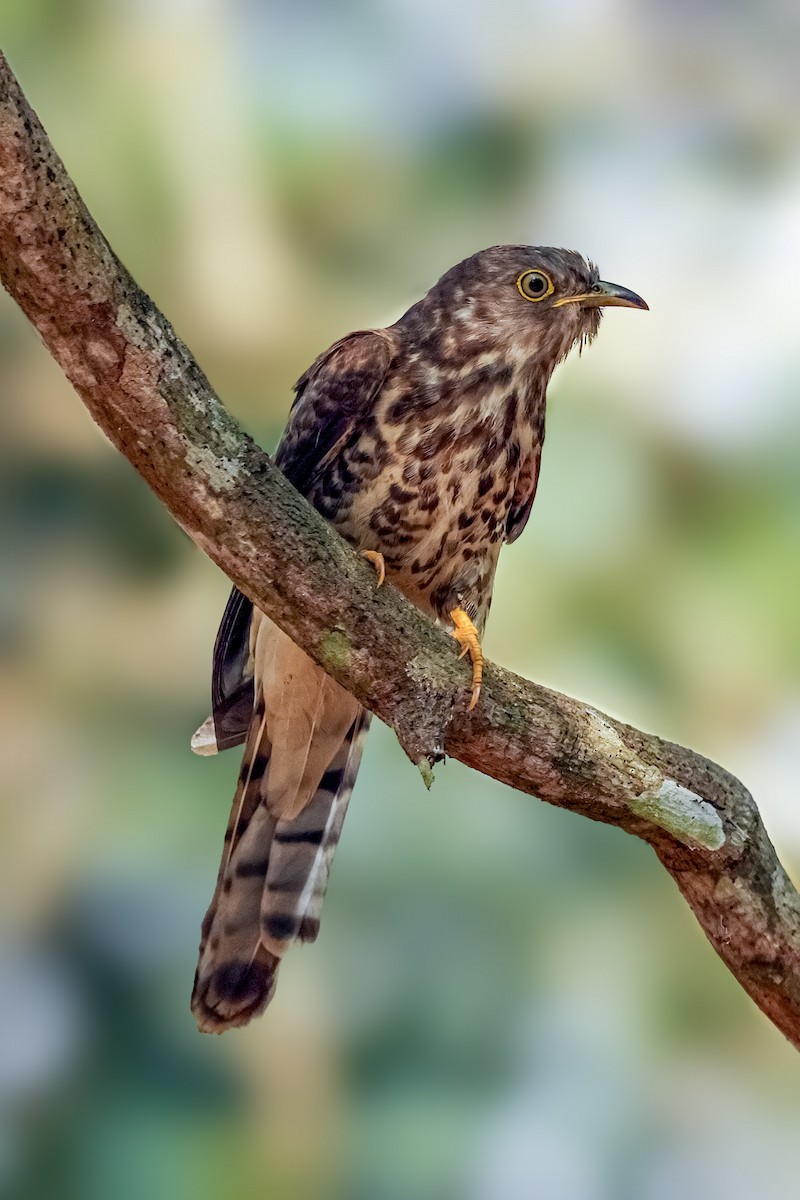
(678, 810)
(222, 474)
(601, 736)
(682, 813)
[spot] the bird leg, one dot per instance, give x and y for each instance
(376, 558)
(467, 637)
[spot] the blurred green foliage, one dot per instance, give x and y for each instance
(506, 1001)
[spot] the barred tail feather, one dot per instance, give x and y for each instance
(282, 833)
(302, 850)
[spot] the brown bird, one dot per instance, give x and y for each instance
(421, 444)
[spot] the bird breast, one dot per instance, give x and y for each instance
(437, 507)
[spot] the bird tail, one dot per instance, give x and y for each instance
(300, 761)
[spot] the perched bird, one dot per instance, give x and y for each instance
(421, 444)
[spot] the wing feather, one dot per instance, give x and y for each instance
(333, 397)
(524, 495)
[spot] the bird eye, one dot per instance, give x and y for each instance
(535, 285)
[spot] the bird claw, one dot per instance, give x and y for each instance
(467, 637)
(377, 560)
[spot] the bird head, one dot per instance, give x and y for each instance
(535, 302)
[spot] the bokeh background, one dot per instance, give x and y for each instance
(506, 1001)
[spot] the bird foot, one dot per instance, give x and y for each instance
(467, 637)
(376, 558)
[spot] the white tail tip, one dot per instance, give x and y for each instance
(204, 740)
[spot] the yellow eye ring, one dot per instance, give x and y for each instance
(535, 285)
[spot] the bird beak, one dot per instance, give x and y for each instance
(605, 295)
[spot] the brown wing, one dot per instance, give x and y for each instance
(524, 495)
(334, 396)
(232, 674)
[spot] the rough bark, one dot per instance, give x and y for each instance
(146, 392)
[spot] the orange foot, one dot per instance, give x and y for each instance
(466, 635)
(376, 558)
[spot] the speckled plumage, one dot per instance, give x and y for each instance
(433, 428)
(421, 441)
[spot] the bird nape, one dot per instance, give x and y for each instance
(421, 444)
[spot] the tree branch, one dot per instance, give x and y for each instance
(147, 393)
